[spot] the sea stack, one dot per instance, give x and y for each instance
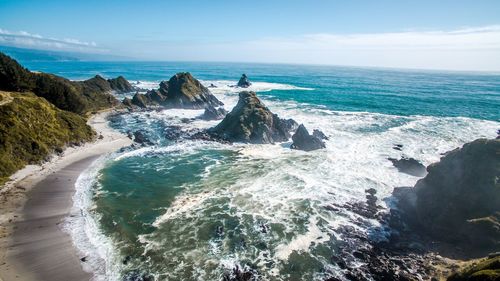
(251, 121)
(302, 140)
(244, 82)
(181, 91)
(459, 199)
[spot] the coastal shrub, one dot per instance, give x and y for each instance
(31, 128)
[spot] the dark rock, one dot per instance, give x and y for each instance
(120, 85)
(141, 138)
(212, 113)
(459, 199)
(241, 274)
(244, 82)
(127, 102)
(173, 132)
(409, 166)
(181, 91)
(136, 275)
(212, 86)
(302, 140)
(84, 259)
(252, 122)
(319, 134)
(126, 260)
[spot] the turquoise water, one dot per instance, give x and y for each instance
(194, 210)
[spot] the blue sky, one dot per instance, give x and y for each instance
(397, 33)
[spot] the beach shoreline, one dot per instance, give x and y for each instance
(37, 199)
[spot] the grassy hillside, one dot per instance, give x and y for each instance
(31, 128)
(79, 97)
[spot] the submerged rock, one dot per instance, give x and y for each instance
(137, 276)
(244, 82)
(409, 166)
(140, 137)
(319, 134)
(459, 199)
(252, 122)
(212, 113)
(181, 91)
(302, 140)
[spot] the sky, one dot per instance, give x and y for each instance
(427, 34)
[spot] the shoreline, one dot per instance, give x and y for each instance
(37, 199)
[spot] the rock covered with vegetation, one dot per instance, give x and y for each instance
(76, 96)
(302, 140)
(484, 270)
(180, 91)
(459, 199)
(31, 128)
(251, 121)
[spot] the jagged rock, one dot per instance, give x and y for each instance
(127, 102)
(120, 84)
(409, 166)
(252, 122)
(140, 137)
(244, 82)
(212, 113)
(241, 274)
(140, 100)
(459, 199)
(302, 140)
(319, 134)
(181, 91)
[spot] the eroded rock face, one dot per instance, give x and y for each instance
(302, 140)
(181, 91)
(459, 199)
(120, 84)
(252, 122)
(409, 166)
(212, 113)
(244, 82)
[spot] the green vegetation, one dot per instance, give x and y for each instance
(79, 97)
(31, 128)
(485, 270)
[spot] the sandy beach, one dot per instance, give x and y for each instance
(34, 203)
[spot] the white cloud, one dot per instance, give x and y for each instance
(36, 41)
(475, 48)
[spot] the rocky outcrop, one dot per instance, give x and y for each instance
(302, 140)
(409, 166)
(485, 270)
(244, 82)
(212, 113)
(459, 199)
(120, 84)
(76, 96)
(251, 121)
(319, 134)
(181, 91)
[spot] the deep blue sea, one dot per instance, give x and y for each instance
(194, 210)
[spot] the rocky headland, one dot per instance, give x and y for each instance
(180, 91)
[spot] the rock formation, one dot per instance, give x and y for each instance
(76, 96)
(409, 166)
(120, 84)
(181, 91)
(459, 199)
(302, 140)
(244, 82)
(319, 134)
(252, 122)
(212, 113)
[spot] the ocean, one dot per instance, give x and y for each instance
(195, 210)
